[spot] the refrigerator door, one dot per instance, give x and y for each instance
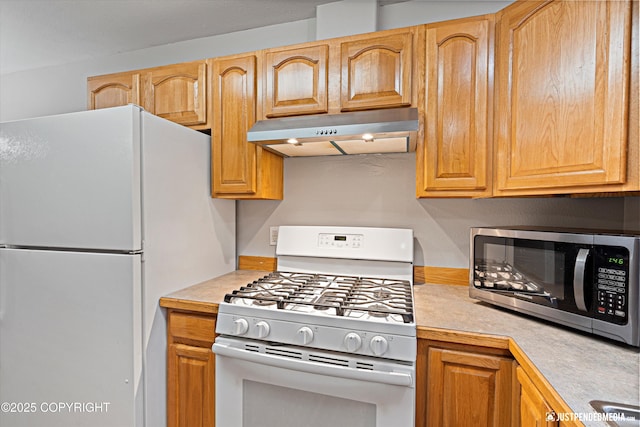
(72, 180)
(70, 351)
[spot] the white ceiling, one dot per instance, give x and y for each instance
(40, 33)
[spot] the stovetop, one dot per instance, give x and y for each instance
(340, 289)
(364, 298)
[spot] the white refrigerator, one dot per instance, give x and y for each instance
(101, 213)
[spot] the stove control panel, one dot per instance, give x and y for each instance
(333, 338)
(327, 240)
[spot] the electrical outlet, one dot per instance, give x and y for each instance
(273, 236)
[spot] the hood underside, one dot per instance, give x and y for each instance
(363, 132)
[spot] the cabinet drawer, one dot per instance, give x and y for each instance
(192, 328)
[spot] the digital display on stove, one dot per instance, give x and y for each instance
(340, 238)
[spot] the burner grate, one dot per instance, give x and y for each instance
(372, 299)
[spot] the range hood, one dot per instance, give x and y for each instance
(390, 130)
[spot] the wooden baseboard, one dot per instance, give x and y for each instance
(257, 263)
(421, 274)
(441, 275)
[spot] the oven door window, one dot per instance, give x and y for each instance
(533, 270)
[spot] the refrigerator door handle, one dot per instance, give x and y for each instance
(2, 286)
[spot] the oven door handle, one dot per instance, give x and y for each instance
(392, 378)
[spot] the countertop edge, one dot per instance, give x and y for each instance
(189, 305)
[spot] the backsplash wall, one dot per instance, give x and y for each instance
(379, 191)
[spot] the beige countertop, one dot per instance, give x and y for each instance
(578, 366)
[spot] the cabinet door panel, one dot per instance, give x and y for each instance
(178, 93)
(296, 81)
(534, 410)
(468, 389)
(113, 90)
(234, 159)
(376, 72)
(563, 72)
(191, 388)
(456, 155)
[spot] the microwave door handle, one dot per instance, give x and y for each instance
(578, 278)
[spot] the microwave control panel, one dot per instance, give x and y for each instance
(612, 284)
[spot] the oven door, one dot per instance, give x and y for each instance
(264, 385)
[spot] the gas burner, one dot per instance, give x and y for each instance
(382, 294)
(378, 310)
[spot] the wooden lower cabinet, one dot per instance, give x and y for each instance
(460, 385)
(190, 370)
(534, 409)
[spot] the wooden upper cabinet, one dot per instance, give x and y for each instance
(295, 81)
(241, 170)
(234, 112)
(376, 72)
(563, 77)
(178, 93)
(454, 157)
(113, 90)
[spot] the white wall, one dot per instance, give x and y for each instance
(356, 190)
(379, 190)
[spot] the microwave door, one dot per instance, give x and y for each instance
(503, 278)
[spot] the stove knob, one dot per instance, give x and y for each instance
(305, 335)
(241, 326)
(263, 329)
(352, 341)
(379, 345)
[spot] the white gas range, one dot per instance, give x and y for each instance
(332, 333)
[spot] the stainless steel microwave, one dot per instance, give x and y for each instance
(585, 279)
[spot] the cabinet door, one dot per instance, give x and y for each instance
(113, 90)
(191, 398)
(563, 75)
(296, 81)
(454, 159)
(234, 112)
(178, 93)
(376, 72)
(468, 389)
(240, 170)
(534, 411)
